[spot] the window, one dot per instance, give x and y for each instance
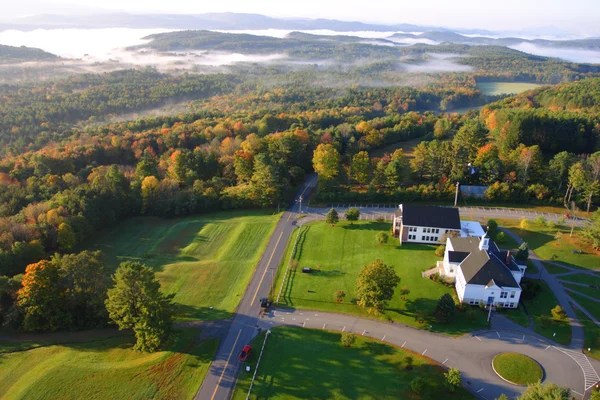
(512, 295)
(512, 305)
(437, 231)
(422, 238)
(447, 231)
(471, 301)
(503, 295)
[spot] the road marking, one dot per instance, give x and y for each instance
(267, 268)
(547, 347)
(445, 361)
(498, 333)
(344, 328)
(589, 373)
(523, 337)
(324, 326)
(383, 338)
(363, 334)
(423, 353)
(293, 319)
(304, 324)
(226, 364)
(477, 337)
(479, 390)
(403, 345)
(576, 392)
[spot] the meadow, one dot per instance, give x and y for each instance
(337, 255)
(107, 369)
(205, 260)
(312, 364)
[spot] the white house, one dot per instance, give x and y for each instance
(482, 272)
(425, 224)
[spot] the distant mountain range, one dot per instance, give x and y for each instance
(209, 21)
(456, 38)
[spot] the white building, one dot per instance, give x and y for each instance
(425, 224)
(482, 272)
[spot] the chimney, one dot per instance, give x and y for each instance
(508, 257)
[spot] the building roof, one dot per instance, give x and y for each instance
(457, 256)
(471, 228)
(479, 268)
(429, 216)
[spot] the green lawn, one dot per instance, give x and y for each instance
(584, 289)
(555, 269)
(495, 88)
(206, 260)
(517, 368)
(312, 364)
(582, 278)
(107, 369)
(541, 305)
(543, 242)
(531, 268)
(517, 315)
(591, 333)
(338, 253)
(590, 306)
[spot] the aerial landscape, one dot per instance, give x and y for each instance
(317, 200)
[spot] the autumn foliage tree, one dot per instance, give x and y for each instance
(375, 285)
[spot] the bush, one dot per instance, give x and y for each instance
(540, 220)
(409, 362)
(500, 237)
(347, 339)
(332, 217)
(524, 224)
(418, 385)
(445, 308)
(558, 313)
(492, 228)
(453, 379)
(404, 290)
(352, 214)
(382, 238)
(550, 224)
(523, 252)
(339, 295)
(440, 250)
(530, 288)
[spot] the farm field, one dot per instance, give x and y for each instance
(338, 254)
(496, 88)
(312, 364)
(107, 369)
(206, 260)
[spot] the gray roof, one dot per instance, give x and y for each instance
(429, 216)
(479, 268)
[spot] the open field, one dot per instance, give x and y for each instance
(408, 147)
(541, 305)
(312, 364)
(496, 88)
(543, 241)
(517, 368)
(107, 369)
(338, 254)
(206, 260)
(591, 333)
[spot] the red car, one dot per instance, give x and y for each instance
(245, 353)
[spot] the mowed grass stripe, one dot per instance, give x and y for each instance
(206, 261)
(107, 369)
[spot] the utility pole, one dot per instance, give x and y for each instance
(300, 200)
(456, 194)
(490, 313)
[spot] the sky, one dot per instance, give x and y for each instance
(577, 16)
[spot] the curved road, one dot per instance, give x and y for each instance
(471, 354)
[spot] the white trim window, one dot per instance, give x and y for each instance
(503, 295)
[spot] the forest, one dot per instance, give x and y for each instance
(78, 154)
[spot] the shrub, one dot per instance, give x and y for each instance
(540, 220)
(530, 288)
(352, 214)
(404, 290)
(339, 295)
(550, 224)
(382, 238)
(500, 237)
(523, 252)
(560, 221)
(332, 217)
(524, 224)
(445, 308)
(440, 250)
(558, 313)
(347, 339)
(453, 379)
(418, 385)
(409, 362)
(492, 228)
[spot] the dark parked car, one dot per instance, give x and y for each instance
(245, 353)
(306, 270)
(265, 303)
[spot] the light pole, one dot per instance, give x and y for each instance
(300, 201)
(456, 195)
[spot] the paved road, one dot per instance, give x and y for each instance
(220, 379)
(472, 354)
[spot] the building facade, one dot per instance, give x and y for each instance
(425, 224)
